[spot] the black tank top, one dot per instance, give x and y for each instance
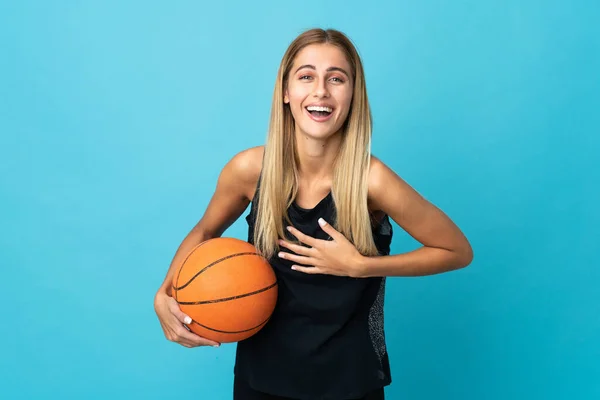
(325, 339)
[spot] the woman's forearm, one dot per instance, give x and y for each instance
(419, 262)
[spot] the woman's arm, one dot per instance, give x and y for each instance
(235, 188)
(445, 247)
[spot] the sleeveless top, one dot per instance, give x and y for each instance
(325, 339)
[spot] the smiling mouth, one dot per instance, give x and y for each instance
(319, 113)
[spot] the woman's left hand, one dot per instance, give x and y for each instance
(332, 257)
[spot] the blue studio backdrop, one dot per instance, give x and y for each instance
(116, 118)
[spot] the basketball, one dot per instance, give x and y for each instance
(226, 288)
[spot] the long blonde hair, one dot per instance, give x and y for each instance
(279, 177)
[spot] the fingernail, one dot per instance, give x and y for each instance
(289, 228)
(188, 320)
(216, 345)
(322, 222)
(281, 255)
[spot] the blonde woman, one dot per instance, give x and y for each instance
(320, 212)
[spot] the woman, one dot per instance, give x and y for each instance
(320, 213)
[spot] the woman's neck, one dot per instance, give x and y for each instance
(316, 157)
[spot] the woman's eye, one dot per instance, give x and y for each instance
(308, 77)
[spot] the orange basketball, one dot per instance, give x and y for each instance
(227, 288)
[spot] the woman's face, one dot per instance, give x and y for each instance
(319, 90)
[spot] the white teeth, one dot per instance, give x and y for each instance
(317, 108)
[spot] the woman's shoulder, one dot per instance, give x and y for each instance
(246, 167)
(380, 181)
(377, 175)
(390, 193)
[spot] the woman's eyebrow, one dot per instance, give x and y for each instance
(328, 69)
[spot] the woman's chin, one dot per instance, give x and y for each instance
(320, 133)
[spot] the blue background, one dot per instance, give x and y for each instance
(116, 118)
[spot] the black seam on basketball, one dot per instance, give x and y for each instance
(212, 264)
(181, 267)
(232, 332)
(195, 303)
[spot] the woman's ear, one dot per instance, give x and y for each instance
(286, 99)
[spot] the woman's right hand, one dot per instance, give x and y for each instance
(172, 320)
